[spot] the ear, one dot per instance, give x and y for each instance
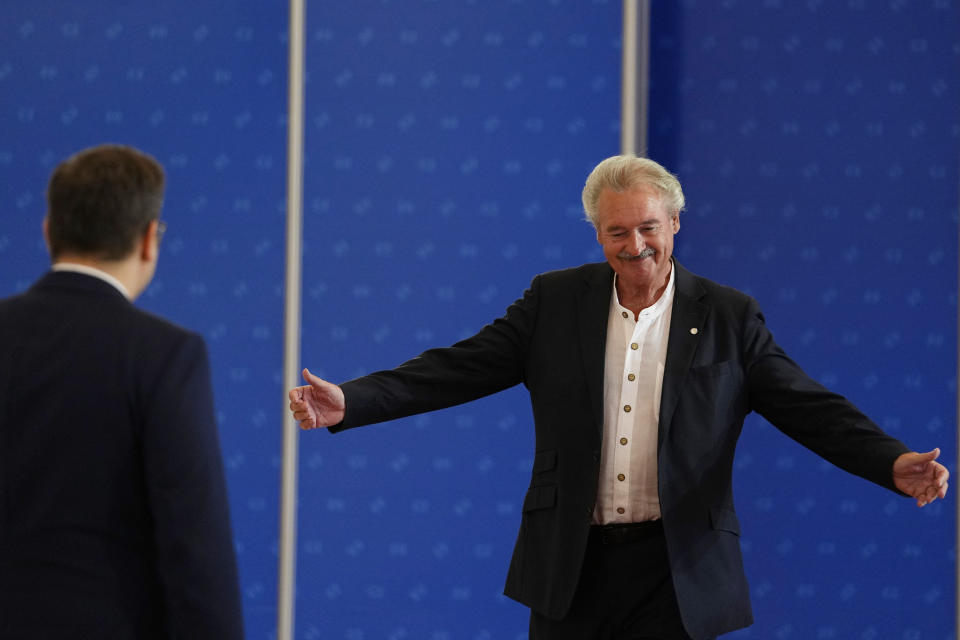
(46, 232)
(675, 223)
(148, 243)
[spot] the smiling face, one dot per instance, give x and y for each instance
(636, 232)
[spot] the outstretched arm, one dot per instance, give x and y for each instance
(318, 404)
(919, 475)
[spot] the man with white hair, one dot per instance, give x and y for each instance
(640, 375)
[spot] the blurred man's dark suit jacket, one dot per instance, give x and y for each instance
(113, 510)
(722, 363)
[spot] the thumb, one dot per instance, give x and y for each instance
(311, 379)
(916, 462)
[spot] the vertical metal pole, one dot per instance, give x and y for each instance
(956, 564)
(286, 573)
(635, 77)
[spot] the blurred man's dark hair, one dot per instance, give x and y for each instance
(101, 200)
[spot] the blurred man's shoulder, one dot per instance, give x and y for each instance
(162, 328)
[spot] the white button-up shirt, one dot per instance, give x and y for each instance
(636, 353)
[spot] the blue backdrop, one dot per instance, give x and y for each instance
(446, 146)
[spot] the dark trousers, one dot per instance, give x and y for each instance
(625, 590)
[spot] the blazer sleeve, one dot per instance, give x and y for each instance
(188, 499)
(823, 421)
(488, 362)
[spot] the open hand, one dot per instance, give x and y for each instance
(920, 476)
(318, 404)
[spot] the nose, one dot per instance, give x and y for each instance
(635, 243)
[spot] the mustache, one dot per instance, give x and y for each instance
(646, 253)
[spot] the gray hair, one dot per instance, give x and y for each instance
(622, 173)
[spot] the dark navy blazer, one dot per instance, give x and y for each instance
(113, 508)
(722, 363)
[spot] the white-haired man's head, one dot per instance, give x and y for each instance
(623, 173)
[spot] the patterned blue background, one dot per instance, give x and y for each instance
(446, 145)
(818, 144)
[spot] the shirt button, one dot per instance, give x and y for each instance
(634, 346)
(624, 314)
(623, 441)
(631, 377)
(621, 510)
(626, 408)
(621, 477)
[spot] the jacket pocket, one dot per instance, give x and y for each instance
(545, 461)
(724, 519)
(714, 370)
(540, 497)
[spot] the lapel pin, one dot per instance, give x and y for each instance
(694, 330)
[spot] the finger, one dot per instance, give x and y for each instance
(941, 490)
(295, 395)
(942, 474)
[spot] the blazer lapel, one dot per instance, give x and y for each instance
(593, 310)
(686, 327)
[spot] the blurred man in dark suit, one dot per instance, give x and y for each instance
(113, 507)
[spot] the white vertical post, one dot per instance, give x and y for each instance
(286, 572)
(635, 75)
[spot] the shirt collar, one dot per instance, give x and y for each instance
(662, 303)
